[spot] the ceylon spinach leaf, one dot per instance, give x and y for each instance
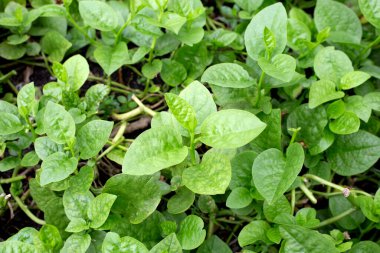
(26, 101)
(229, 75)
(76, 243)
(281, 66)
(338, 205)
(98, 15)
(191, 233)
(113, 243)
(77, 71)
(99, 209)
(56, 167)
(253, 232)
(9, 123)
(371, 11)
(169, 244)
(181, 201)
(323, 91)
(111, 58)
(240, 197)
(182, 111)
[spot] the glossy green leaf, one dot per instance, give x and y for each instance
(11, 52)
(241, 166)
(94, 96)
(182, 111)
(340, 204)
(57, 167)
(92, 137)
(100, 208)
(347, 123)
(240, 197)
(344, 24)
(154, 150)
(355, 153)
(9, 123)
(132, 202)
(173, 73)
(323, 91)
(298, 33)
(44, 147)
(30, 159)
(353, 79)
(50, 237)
(169, 244)
(26, 101)
(273, 174)
(273, 17)
(279, 206)
(253, 232)
(111, 58)
(191, 233)
(357, 105)
(113, 243)
(77, 71)
(98, 15)
(371, 11)
(227, 75)
(365, 246)
(76, 243)
(181, 201)
(8, 107)
(230, 128)
(281, 66)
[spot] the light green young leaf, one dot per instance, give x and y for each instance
(210, 177)
(98, 15)
(269, 40)
(92, 137)
(30, 159)
(76, 243)
(100, 208)
(253, 232)
(26, 101)
(57, 167)
(345, 26)
(58, 123)
(240, 197)
(77, 225)
(372, 100)
(371, 11)
(191, 233)
(9, 123)
(353, 79)
(50, 237)
(273, 17)
(355, 153)
(76, 203)
(113, 243)
(281, 66)
(16, 246)
(8, 107)
(77, 71)
(150, 70)
(182, 111)
(230, 128)
(133, 203)
(273, 174)
(332, 64)
(111, 58)
(347, 123)
(172, 21)
(154, 150)
(323, 91)
(298, 34)
(169, 244)
(357, 105)
(228, 75)
(181, 201)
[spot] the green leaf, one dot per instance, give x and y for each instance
(76, 203)
(306, 217)
(77, 71)
(273, 17)
(26, 101)
(269, 40)
(94, 96)
(113, 243)
(230, 128)
(240, 197)
(372, 100)
(355, 153)
(172, 21)
(182, 111)
(77, 225)
(281, 66)
(44, 147)
(58, 123)
(299, 239)
(9, 163)
(298, 33)
(228, 75)
(241, 166)
(151, 70)
(368, 208)
(353, 79)
(279, 206)
(181, 201)
(169, 244)
(12, 52)
(371, 11)
(132, 202)
(253, 232)
(50, 237)
(111, 58)
(57, 167)
(365, 246)
(214, 245)
(344, 24)
(191, 233)
(92, 137)
(9, 124)
(323, 91)
(332, 64)
(30, 159)
(76, 243)
(357, 105)
(99, 209)
(98, 15)
(17, 247)
(340, 204)
(210, 177)
(301, 117)
(173, 73)
(8, 107)
(273, 174)
(55, 45)
(154, 150)
(347, 123)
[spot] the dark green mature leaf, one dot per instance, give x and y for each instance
(323, 91)
(76, 243)
(98, 15)
(340, 204)
(9, 123)
(306, 217)
(228, 75)
(210, 177)
(56, 167)
(9, 163)
(253, 232)
(241, 166)
(169, 244)
(173, 73)
(58, 123)
(191, 233)
(240, 197)
(273, 17)
(344, 24)
(92, 137)
(332, 64)
(365, 246)
(111, 58)
(280, 206)
(131, 201)
(100, 208)
(77, 71)
(230, 128)
(371, 11)
(154, 150)
(355, 153)
(303, 240)
(55, 45)
(273, 174)
(182, 111)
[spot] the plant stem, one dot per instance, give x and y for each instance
(369, 46)
(295, 132)
(210, 230)
(118, 35)
(293, 200)
(335, 218)
(110, 148)
(192, 148)
(74, 23)
(121, 91)
(259, 87)
(25, 209)
(323, 181)
(308, 193)
(140, 104)
(12, 179)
